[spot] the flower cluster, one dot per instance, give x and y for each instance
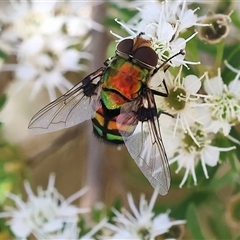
(201, 106)
(48, 215)
(163, 22)
(143, 223)
(197, 120)
(44, 215)
(224, 106)
(44, 37)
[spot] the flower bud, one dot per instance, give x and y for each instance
(175, 232)
(216, 28)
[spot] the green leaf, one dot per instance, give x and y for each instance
(235, 134)
(235, 19)
(83, 226)
(217, 222)
(237, 238)
(231, 55)
(193, 223)
(117, 205)
(224, 6)
(179, 211)
(222, 181)
(3, 99)
(3, 55)
(219, 228)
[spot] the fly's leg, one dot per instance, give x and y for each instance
(157, 93)
(165, 64)
(162, 94)
(165, 67)
(163, 112)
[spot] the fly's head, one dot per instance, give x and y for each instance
(139, 50)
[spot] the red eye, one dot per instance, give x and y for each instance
(146, 55)
(125, 46)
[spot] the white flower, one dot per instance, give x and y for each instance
(143, 223)
(72, 232)
(44, 60)
(182, 101)
(41, 36)
(95, 229)
(45, 214)
(224, 104)
(173, 16)
(162, 22)
(24, 19)
(188, 154)
(69, 232)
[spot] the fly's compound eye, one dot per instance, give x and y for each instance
(147, 56)
(124, 48)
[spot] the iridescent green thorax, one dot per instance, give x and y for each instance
(122, 82)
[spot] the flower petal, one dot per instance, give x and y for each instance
(192, 83)
(210, 155)
(20, 228)
(214, 85)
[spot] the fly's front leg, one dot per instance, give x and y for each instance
(164, 66)
(157, 93)
(163, 112)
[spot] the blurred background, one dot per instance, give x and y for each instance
(46, 48)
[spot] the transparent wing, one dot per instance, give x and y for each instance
(72, 108)
(144, 142)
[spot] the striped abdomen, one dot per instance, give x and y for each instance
(105, 125)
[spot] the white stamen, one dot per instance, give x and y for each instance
(204, 168)
(193, 173)
(185, 175)
(125, 27)
(233, 139)
(132, 205)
